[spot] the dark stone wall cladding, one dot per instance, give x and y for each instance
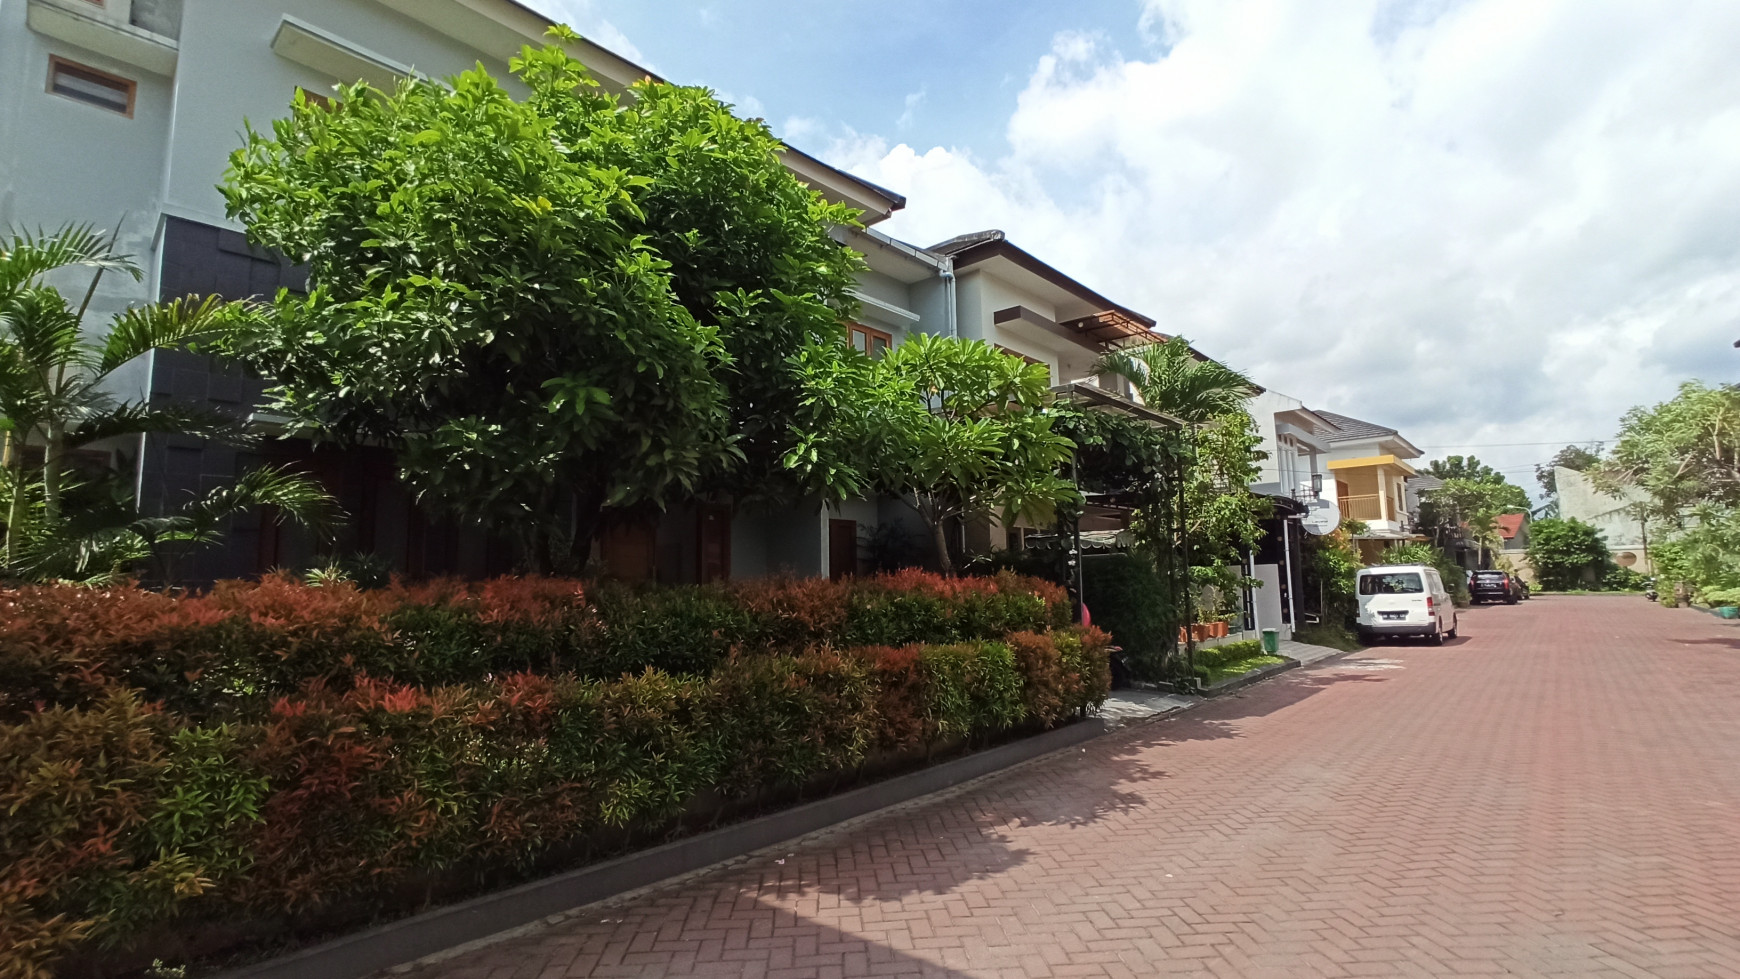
(200, 260)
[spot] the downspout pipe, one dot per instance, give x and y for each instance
(950, 311)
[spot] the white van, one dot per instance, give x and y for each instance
(1404, 600)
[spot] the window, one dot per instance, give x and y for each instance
(870, 341)
(1403, 583)
(316, 99)
(88, 85)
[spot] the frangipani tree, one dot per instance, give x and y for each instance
(955, 428)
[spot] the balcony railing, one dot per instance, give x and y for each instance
(1367, 508)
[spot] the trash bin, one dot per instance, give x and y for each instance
(1271, 641)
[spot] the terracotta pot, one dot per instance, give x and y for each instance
(1220, 630)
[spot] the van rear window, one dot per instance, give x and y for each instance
(1397, 583)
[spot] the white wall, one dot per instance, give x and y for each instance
(63, 161)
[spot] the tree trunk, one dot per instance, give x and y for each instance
(52, 458)
(13, 462)
(939, 532)
(587, 506)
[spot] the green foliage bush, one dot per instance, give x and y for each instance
(1128, 597)
(1568, 554)
(285, 751)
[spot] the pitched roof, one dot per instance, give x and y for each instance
(1351, 429)
(1510, 524)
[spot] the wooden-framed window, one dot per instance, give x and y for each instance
(82, 83)
(871, 341)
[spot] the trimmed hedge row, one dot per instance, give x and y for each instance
(228, 653)
(128, 817)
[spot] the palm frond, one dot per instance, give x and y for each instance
(28, 255)
(160, 326)
(1175, 379)
(295, 495)
(164, 419)
(41, 334)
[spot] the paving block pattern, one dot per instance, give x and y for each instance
(1555, 794)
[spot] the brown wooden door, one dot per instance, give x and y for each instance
(713, 544)
(842, 549)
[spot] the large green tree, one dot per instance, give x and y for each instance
(1682, 453)
(547, 306)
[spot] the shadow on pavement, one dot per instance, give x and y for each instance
(1728, 643)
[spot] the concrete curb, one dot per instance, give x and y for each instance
(431, 933)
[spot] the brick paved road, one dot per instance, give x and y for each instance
(1556, 794)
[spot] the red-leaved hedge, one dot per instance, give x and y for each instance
(276, 750)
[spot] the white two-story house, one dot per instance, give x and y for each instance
(123, 113)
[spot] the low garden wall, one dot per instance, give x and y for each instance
(182, 774)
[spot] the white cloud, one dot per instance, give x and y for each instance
(1481, 221)
(913, 101)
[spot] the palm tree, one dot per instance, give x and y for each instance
(56, 397)
(1173, 378)
(1204, 394)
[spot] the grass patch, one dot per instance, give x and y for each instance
(1585, 591)
(1239, 667)
(1332, 636)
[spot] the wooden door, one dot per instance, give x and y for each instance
(713, 544)
(842, 549)
(629, 550)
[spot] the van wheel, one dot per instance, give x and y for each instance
(1437, 637)
(1365, 638)
(1452, 633)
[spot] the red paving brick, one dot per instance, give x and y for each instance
(1556, 794)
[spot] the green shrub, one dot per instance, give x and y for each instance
(971, 688)
(1623, 579)
(1128, 597)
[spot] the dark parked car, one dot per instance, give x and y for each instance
(1496, 586)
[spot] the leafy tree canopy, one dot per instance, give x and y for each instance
(1567, 553)
(551, 305)
(1464, 467)
(1683, 453)
(1579, 457)
(956, 428)
(1220, 446)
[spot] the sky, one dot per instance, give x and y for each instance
(1494, 225)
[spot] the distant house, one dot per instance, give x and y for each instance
(1513, 532)
(1627, 537)
(1371, 467)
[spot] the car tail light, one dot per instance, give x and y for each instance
(1428, 603)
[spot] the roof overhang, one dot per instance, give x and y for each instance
(1087, 304)
(892, 257)
(1093, 397)
(1384, 460)
(499, 28)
